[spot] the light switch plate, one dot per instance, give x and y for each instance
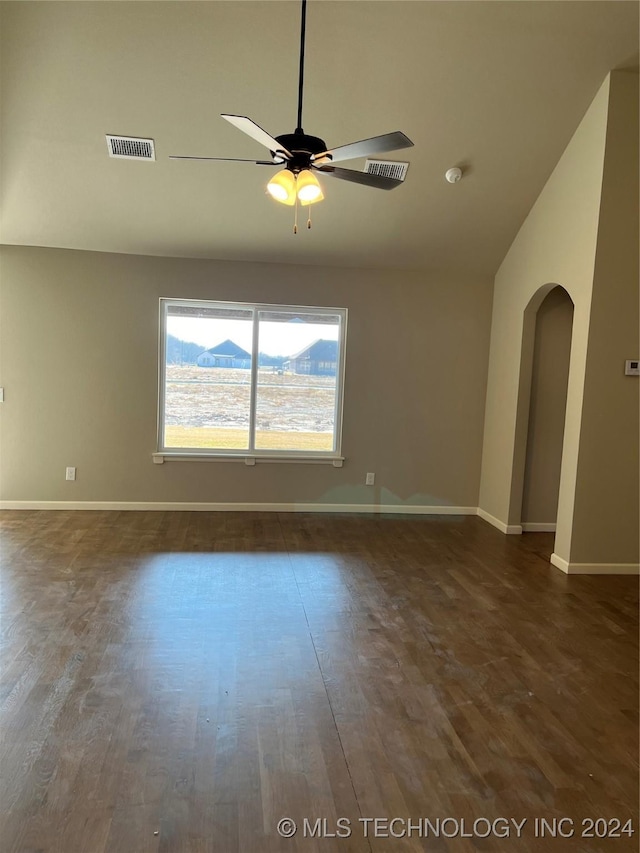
(632, 367)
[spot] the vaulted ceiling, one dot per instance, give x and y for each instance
(497, 88)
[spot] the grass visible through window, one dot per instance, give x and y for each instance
(208, 408)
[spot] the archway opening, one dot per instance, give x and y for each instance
(547, 409)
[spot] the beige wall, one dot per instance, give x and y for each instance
(606, 516)
(557, 245)
(78, 340)
(547, 409)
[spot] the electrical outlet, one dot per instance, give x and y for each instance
(71, 473)
(371, 478)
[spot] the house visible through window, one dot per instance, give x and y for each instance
(263, 379)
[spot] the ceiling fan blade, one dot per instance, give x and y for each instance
(231, 160)
(365, 178)
(255, 132)
(375, 145)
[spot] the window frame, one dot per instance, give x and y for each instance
(251, 454)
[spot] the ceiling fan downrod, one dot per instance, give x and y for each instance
(303, 27)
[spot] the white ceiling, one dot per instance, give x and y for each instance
(495, 87)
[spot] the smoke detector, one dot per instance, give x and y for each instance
(453, 175)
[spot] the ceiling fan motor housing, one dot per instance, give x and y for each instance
(303, 147)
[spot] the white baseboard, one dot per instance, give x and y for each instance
(595, 568)
(408, 509)
(559, 563)
(502, 527)
(538, 527)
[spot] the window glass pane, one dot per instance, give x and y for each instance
(297, 374)
(207, 377)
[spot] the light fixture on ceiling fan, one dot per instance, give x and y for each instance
(302, 155)
(286, 186)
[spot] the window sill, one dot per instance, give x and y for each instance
(249, 459)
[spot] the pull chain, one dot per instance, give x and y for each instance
(295, 218)
(309, 219)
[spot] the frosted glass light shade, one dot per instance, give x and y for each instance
(282, 187)
(309, 189)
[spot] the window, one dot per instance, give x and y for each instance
(250, 380)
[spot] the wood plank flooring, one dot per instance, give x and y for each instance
(180, 682)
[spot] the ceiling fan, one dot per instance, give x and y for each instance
(302, 155)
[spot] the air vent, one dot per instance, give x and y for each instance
(387, 169)
(130, 148)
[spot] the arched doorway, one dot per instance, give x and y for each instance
(546, 411)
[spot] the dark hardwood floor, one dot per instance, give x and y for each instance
(180, 682)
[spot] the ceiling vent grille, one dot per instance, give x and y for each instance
(387, 169)
(130, 148)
